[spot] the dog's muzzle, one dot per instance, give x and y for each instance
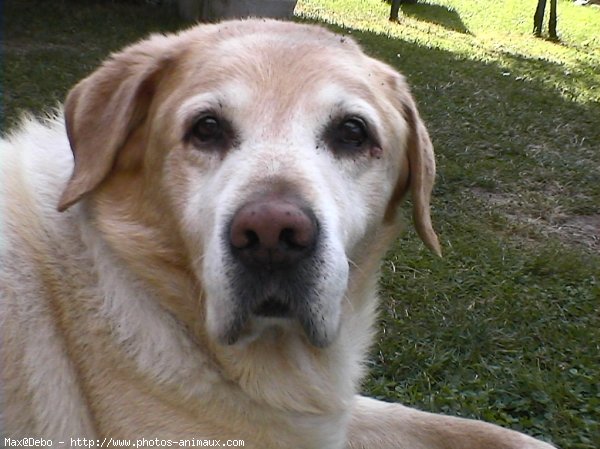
(276, 265)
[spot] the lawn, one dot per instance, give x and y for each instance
(506, 326)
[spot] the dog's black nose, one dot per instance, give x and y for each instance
(273, 233)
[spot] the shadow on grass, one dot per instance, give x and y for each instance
(491, 131)
(434, 14)
(437, 15)
(48, 46)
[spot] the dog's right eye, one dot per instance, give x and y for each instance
(208, 129)
(349, 135)
(352, 133)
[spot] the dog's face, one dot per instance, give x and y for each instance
(271, 157)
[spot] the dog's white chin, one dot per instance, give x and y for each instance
(320, 331)
(267, 329)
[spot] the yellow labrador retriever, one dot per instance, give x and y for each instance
(204, 268)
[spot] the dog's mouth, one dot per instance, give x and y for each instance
(288, 301)
(272, 307)
(279, 285)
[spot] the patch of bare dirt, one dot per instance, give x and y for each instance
(581, 230)
(583, 227)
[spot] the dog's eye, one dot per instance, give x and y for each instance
(207, 129)
(350, 135)
(353, 133)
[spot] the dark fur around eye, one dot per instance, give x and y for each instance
(210, 132)
(349, 135)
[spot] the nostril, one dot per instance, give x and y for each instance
(243, 237)
(287, 237)
(271, 233)
(298, 238)
(252, 240)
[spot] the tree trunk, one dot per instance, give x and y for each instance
(538, 18)
(395, 9)
(552, 22)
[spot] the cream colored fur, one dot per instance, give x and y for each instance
(113, 310)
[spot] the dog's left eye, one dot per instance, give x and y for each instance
(207, 129)
(350, 134)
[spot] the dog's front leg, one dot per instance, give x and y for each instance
(380, 425)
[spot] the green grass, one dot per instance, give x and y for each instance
(505, 327)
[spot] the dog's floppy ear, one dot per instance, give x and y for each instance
(104, 108)
(421, 174)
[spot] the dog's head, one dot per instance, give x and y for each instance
(269, 157)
